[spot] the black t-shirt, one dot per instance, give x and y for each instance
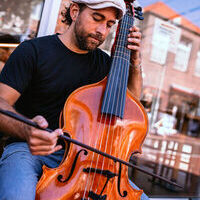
(44, 71)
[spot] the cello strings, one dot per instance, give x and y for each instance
(121, 105)
(118, 135)
(100, 142)
(104, 124)
(124, 73)
(93, 154)
(98, 157)
(98, 133)
(120, 130)
(112, 140)
(123, 91)
(119, 36)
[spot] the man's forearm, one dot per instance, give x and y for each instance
(135, 82)
(9, 126)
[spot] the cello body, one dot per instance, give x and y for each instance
(118, 137)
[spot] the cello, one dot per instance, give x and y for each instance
(104, 116)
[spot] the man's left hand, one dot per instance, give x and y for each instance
(134, 44)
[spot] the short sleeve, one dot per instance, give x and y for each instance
(18, 70)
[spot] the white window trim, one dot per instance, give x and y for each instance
(186, 48)
(197, 65)
(49, 17)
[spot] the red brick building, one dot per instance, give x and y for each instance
(171, 60)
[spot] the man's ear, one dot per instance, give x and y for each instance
(74, 11)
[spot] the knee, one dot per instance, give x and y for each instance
(16, 186)
(18, 177)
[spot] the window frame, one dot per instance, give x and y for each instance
(49, 19)
(186, 47)
(197, 65)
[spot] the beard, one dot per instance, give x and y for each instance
(86, 41)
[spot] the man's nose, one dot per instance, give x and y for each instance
(102, 28)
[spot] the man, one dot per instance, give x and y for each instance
(38, 78)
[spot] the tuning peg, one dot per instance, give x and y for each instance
(138, 8)
(139, 13)
(139, 17)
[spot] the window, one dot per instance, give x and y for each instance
(182, 56)
(160, 41)
(18, 22)
(165, 39)
(160, 48)
(197, 66)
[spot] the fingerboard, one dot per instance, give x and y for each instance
(115, 93)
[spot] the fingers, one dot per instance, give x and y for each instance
(42, 142)
(43, 152)
(135, 32)
(45, 137)
(134, 44)
(134, 39)
(41, 121)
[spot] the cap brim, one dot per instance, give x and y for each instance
(106, 5)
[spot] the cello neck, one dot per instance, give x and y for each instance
(115, 93)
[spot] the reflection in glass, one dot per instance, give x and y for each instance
(19, 19)
(171, 97)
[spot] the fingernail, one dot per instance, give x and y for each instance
(60, 131)
(44, 123)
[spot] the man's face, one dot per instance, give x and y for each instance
(92, 27)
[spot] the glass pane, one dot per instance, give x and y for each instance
(19, 21)
(197, 66)
(171, 97)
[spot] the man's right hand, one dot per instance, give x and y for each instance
(42, 142)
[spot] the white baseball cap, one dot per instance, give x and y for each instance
(99, 4)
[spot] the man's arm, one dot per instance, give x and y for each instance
(135, 81)
(8, 97)
(40, 142)
(135, 73)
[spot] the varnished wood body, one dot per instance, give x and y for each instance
(83, 121)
